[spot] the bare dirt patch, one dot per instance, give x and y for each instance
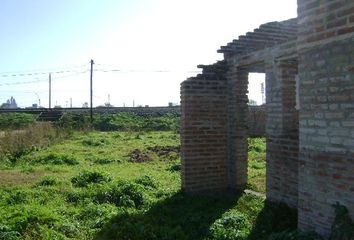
(11, 178)
(169, 152)
(139, 156)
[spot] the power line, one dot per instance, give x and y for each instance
(143, 71)
(40, 71)
(36, 73)
(41, 80)
(115, 68)
(21, 83)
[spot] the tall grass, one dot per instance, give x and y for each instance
(16, 143)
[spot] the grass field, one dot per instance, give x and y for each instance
(126, 185)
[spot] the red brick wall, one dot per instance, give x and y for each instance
(282, 133)
(326, 169)
(204, 134)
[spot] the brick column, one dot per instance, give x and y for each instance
(204, 133)
(326, 67)
(238, 127)
(282, 132)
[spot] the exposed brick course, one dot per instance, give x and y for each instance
(310, 152)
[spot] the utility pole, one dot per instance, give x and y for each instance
(50, 91)
(71, 103)
(91, 92)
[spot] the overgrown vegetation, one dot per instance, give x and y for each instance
(17, 143)
(16, 120)
(256, 164)
(86, 186)
(126, 185)
(121, 122)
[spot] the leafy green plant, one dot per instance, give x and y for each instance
(87, 177)
(231, 227)
(17, 197)
(57, 159)
(256, 145)
(343, 226)
(146, 181)
(122, 193)
(48, 181)
(68, 229)
(175, 167)
(8, 234)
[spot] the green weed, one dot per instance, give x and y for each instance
(57, 159)
(48, 181)
(87, 177)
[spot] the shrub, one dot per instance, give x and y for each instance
(123, 193)
(175, 167)
(74, 121)
(231, 227)
(123, 121)
(86, 177)
(16, 120)
(343, 226)
(30, 219)
(146, 181)
(97, 214)
(57, 159)
(74, 197)
(132, 191)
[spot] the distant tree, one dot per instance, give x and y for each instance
(252, 102)
(85, 105)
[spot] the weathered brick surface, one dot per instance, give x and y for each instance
(238, 127)
(204, 132)
(310, 153)
(326, 170)
(321, 20)
(326, 45)
(282, 132)
(256, 121)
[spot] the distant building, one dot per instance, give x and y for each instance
(10, 103)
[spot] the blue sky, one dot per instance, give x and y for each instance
(155, 44)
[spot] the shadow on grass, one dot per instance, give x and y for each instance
(273, 218)
(182, 216)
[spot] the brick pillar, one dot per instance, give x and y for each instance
(238, 128)
(282, 132)
(326, 71)
(204, 134)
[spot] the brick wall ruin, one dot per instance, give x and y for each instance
(326, 55)
(310, 156)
